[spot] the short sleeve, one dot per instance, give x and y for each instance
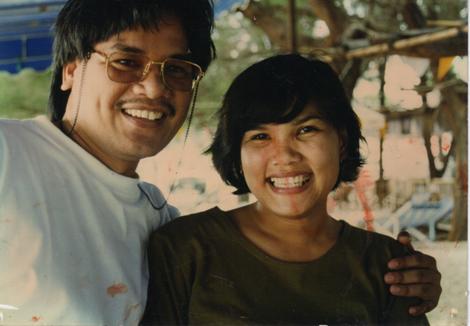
(397, 314)
(173, 213)
(169, 288)
(167, 212)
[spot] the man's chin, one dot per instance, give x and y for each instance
(145, 152)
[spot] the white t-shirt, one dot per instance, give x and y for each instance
(73, 233)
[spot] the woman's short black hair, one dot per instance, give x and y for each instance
(276, 90)
(83, 23)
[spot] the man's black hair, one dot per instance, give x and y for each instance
(83, 23)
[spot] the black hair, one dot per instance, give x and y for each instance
(83, 23)
(276, 90)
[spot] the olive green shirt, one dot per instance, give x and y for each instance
(204, 271)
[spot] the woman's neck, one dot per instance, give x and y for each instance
(288, 238)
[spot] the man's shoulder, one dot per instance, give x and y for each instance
(158, 201)
(12, 124)
(13, 134)
(21, 123)
(19, 130)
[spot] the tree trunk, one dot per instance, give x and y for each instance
(459, 215)
(429, 119)
(455, 102)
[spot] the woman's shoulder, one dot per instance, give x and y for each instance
(195, 221)
(373, 243)
(194, 226)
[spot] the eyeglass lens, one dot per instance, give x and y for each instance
(129, 68)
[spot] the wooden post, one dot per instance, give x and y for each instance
(379, 49)
(292, 31)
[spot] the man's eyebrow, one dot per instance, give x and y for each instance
(126, 48)
(183, 56)
(131, 49)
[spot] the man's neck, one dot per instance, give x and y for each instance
(125, 168)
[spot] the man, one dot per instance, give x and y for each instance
(74, 216)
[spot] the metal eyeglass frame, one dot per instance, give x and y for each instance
(148, 68)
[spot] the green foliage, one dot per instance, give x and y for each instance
(300, 4)
(450, 9)
(24, 95)
(239, 44)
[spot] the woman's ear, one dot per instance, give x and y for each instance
(68, 74)
(343, 144)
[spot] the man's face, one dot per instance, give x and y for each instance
(121, 123)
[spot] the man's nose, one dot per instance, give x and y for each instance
(152, 86)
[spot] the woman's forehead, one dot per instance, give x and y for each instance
(309, 112)
(311, 108)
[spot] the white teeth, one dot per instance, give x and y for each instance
(290, 182)
(144, 114)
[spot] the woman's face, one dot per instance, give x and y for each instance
(291, 167)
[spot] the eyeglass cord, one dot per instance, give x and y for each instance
(77, 108)
(186, 136)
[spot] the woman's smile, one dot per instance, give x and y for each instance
(293, 182)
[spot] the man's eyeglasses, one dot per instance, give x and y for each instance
(176, 74)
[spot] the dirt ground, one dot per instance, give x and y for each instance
(452, 261)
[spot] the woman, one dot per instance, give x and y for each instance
(288, 135)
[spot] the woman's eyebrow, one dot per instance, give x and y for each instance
(260, 127)
(308, 117)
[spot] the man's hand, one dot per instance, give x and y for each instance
(415, 276)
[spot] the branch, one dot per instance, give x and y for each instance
(334, 17)
(449, 42)
(266, 19)
(403, 44)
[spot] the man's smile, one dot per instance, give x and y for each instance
(144, 114)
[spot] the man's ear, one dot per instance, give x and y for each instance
(68, 74)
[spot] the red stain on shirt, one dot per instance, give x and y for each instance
(115, 289)
(35, 319)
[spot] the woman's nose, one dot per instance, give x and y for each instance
(286, 153)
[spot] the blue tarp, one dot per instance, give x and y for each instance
(25, 32)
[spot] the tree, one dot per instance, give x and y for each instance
(361, 31)
(24, 95)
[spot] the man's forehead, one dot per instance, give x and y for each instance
(169, 38)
